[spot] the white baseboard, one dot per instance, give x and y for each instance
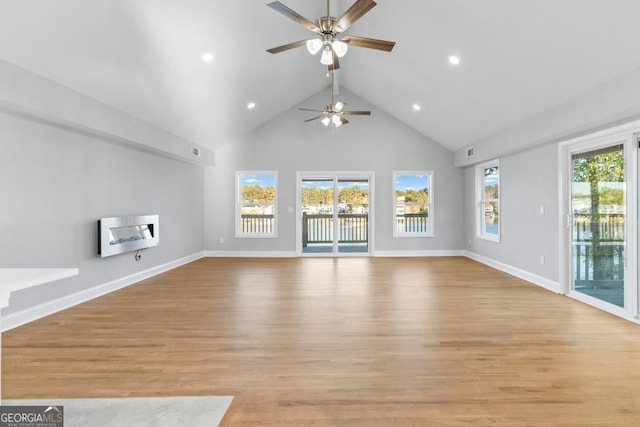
(292, 254)
(30, 314)
(543, 282)
(399, 254)
(250, 254)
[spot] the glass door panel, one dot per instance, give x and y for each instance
(598, 214)
(335, 215)
(317, 202)
(353, 215)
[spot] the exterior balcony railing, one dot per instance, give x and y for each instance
(598, 254)
(318, 228)
(412, 223)
(258, 223)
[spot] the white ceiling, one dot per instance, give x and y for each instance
(518, 58)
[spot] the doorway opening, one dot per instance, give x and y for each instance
(334, 213)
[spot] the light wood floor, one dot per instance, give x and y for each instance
(341, 342)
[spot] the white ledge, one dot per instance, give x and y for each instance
(14, 279)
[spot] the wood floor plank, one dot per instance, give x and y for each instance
(341, 342)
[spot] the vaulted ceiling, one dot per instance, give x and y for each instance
(518, 58)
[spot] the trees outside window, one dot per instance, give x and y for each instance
(598, 202)
(256, 207)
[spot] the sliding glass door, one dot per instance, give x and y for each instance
(317, 209)
(598, 211)
(334, 214)
(353, 215)
(599, 185)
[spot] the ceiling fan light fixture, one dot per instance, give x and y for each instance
(327, 56)
(338, 106)
(336, 120)
(314, 46)
(326, 120)
(208, 57)
(340, 48)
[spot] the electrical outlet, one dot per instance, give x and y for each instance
(221, 240)
(543, 260)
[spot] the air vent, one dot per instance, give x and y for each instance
(471, 152)
(195, 151)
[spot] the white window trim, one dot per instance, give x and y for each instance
(430, 204)
(238, 226)
(479, 201)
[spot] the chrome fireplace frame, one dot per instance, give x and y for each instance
(121, 234)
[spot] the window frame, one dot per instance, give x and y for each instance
(430, 204)
(480, 213)
(239, 204)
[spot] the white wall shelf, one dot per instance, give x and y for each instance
(15, 279)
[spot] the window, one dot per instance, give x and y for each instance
(256, 204)
(413, 204)
(488, 201)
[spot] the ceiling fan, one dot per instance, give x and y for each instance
(334, 113)
(328, 29)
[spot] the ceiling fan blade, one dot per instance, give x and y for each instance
(370, 43)
(312, 119)
(355, 12)
(289, 13)
(309, 109)
(287, 46)
(357, 113)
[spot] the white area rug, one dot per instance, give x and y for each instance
(197, 411)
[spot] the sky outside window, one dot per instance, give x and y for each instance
(411, 182)
(261, 180)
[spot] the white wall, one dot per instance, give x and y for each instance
(529, 173)
(378, 143)
(56, 182)
(613, 102)
(23, 93)
(528, 181)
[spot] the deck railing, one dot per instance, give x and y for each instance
(318, 228)
(259, 224)
(412, 223)
(606, 267)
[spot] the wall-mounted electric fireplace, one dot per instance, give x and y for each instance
(120, 234)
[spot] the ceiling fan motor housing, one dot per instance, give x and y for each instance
(327, 25)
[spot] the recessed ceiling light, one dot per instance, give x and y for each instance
(207, 57)
(417, 107)
(251, 105)
(454, 60)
